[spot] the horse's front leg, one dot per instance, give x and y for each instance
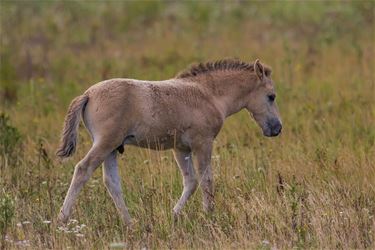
(185, 163)
(202, 154)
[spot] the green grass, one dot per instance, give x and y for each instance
(312, 187)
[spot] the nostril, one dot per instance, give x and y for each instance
(277, 128)
(274, 126)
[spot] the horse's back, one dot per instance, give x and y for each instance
(119, 104)
(164, 110)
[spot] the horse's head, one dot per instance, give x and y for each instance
(262, 104)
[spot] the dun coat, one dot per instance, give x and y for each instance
(184, 114)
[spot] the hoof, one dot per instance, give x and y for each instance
(176, 215)
(128, 221)
(209, 208)
(130, 225)
(62, 219)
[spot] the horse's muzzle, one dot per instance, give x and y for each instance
(273, 128)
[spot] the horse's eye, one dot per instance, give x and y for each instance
(271, 97)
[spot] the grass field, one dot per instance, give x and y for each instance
(312, 187)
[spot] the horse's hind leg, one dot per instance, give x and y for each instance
(185, 164)
(112, 182)
(82, 172)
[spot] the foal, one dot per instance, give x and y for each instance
(184, 114)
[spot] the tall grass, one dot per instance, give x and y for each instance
(313, 187)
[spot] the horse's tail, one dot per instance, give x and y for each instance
(69, 135)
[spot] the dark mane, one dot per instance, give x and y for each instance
(225, 64)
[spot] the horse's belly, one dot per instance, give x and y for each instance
(157, 143)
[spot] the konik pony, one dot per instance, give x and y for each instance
(184, 113)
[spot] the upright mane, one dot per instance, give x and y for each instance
(225, 64)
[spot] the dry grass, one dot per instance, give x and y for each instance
(313, 187)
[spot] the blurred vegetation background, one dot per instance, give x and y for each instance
(312, 187)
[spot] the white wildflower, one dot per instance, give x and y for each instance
(22, 243)
(7, 238)
(265, 242)
(72, 221)
(117, 245)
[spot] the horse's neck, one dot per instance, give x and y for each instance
(229, 91)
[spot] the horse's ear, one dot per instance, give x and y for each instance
(259, 69)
